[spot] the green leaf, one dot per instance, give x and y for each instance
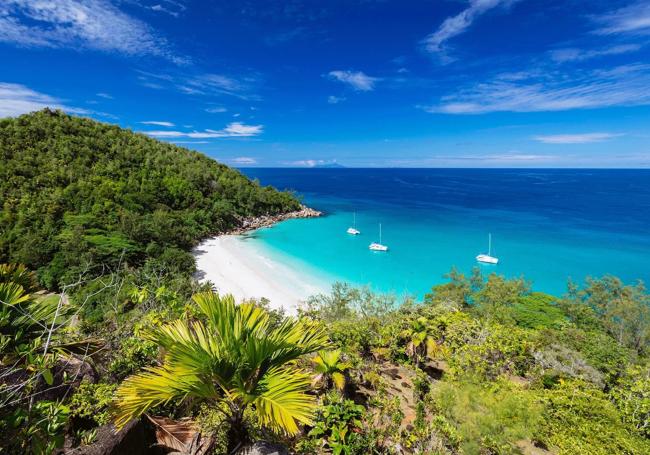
(47, 375)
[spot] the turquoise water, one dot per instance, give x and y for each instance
(546, 225)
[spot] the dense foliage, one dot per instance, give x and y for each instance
(78, 194)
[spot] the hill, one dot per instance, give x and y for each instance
(77, 193)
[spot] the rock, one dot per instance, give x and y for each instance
(263, 448)
(250, 224)
(134, 439)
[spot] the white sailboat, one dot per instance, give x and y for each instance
(353, 230)
(374, 246)
(488, 258)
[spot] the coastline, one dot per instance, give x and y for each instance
(235, 265)
(248, 225)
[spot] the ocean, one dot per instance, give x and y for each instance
(548, 226)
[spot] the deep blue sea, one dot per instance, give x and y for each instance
(546, 225)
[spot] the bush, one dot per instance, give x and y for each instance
(537, 311)
(632, 398)
(580, 420)
(91, 401)
(486, 419)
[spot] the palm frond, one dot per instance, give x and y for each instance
(338, 379)
(20, 274)
(282, 401)
(155, 386)
(12, 294)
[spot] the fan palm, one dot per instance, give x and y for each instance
(420, 341)
(231, 355)
(330, 368)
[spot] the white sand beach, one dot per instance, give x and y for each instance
(236, 266)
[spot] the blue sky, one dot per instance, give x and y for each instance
(431, 83)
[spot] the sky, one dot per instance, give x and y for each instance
(360, 83)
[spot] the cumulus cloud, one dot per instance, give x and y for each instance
(356, 79)
(90, 24)
(455, 25)
(585, 138)
(234, 129)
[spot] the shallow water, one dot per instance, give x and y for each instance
(547, 225)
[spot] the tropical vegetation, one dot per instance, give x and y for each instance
(103, 325)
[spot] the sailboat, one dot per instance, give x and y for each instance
(488, 258)
(353, 230)
(374, 246)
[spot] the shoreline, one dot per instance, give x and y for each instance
(235, 265)
(251, 224)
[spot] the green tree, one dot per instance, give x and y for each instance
(234, 356)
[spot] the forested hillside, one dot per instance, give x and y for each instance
(77, 193)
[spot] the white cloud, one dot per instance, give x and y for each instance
(577, 55)
(234, 129)
(511, 158)
(215, 109)
(170, 7)
(104, 95)
(206, 84)
(243, 160)
(309, 163)
(625, 85)
(17, 99)
(633, 19)
(335, 99)
(355, 79)
(91, 24)
(239, 129)
(455, 25)
(585, 138)
(158, 123)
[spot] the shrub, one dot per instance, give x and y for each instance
(632, 398)
(486, 419)
(580, 420)
(91, 401)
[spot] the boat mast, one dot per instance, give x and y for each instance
(490, 244)
(354, 220)
(380, 233)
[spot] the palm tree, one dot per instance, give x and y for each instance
(233, 356)
(420, 342)
(330, 368)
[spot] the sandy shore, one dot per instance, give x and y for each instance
(236, 266)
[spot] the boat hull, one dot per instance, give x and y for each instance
(377, 247)
(484, 258)
(353, 231)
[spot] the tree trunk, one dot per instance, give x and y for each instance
(237, 433)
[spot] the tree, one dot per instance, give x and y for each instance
(234, 358)
(330, 368)
(623, 310)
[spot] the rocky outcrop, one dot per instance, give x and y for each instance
(134, 439)
(263, 448)
(250, 224)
